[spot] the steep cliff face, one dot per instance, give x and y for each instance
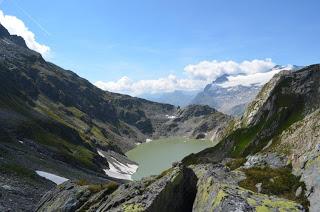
(301, 145)
(196, 121)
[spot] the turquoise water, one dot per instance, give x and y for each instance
(158, 155)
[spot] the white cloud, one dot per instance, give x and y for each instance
(167, 84)
(198, 76)
(214, 69)
(15, 26)
(253, 79)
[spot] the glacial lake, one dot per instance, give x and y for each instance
(158, 155)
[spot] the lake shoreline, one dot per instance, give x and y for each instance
(158, 155)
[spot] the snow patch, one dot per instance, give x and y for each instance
(5, 41)
(101, 154)
(171, 117)
(118, 169)
(52, 177)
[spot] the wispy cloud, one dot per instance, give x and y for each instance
(31, 18)
(15, 26)
(197, 76)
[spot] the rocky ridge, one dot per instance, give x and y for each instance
(196, 121)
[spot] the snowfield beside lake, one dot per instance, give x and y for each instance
(117, 169)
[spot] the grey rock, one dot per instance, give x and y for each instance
(259, 187)
(172, 191)
(196, 121)
(298, 191)
(265, 159)
(218, 190)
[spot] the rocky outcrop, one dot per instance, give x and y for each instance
(232, 198)
(252, 110)
(173, 190)
(301, 145)
(196, 121)
(272, 160)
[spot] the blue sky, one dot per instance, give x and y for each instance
(105, 40)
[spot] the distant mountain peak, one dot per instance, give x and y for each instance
(221, 79)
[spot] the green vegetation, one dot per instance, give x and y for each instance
(73, 152)
(280, 182)
(52, 114)
(133, 207)
(220, 196)
(235, 163)
(76, 112)
(95, 188)
(18, 170)
(165, 172)
(97, 133)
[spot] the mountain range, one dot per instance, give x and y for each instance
(227, 98)
(178, 97)
(55, 123)
(232, 99)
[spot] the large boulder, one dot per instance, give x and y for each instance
(173, 190)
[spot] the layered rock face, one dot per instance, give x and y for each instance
(174, 190)
(196, 121)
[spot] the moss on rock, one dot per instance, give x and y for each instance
(280, 182)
